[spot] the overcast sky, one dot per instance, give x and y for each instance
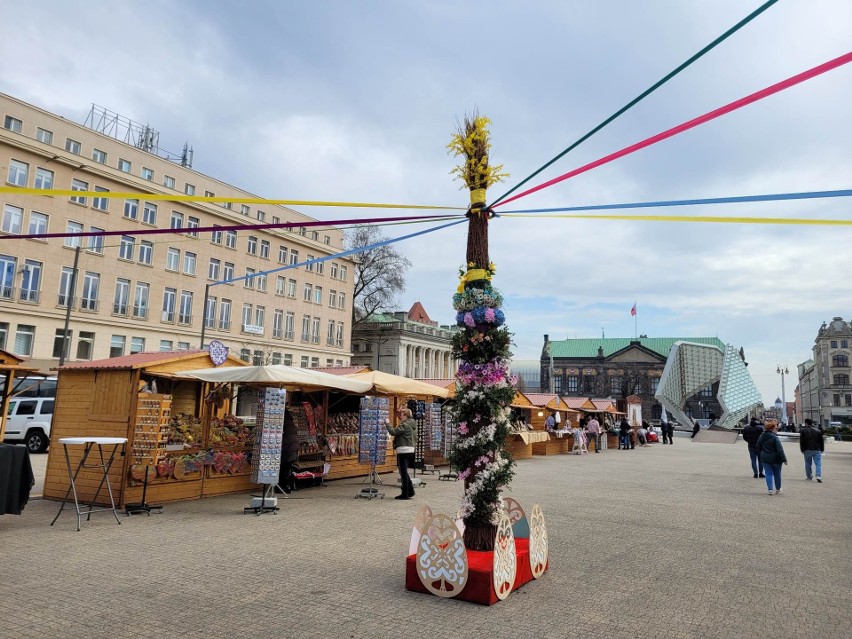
(356, 101)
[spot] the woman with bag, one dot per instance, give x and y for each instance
(771, 455)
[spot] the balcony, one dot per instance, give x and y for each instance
(88, 304)
(120, 308)
(7, 292)
(140, 312)
(29, 295)
(168, 316)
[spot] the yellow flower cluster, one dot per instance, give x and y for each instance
(473, 142)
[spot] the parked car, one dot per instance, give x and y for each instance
(28, 421)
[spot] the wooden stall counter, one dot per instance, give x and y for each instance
(520, 445)
(556, 444)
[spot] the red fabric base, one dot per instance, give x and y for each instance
(480, 583)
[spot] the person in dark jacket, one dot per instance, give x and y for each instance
(750, 434)
(404, 438)
(289, 453)
(624, 434)
(771, 455)
(695, 428)
(812, 446)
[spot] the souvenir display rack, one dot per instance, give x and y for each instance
(342, 434)
(372, 439)
(150, 438)
(266, 455)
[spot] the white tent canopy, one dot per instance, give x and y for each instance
(396, 385)
(296, 378)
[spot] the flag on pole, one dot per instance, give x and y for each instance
(633, 310)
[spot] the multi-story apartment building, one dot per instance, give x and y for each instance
(136, 292)
(405, 343)
(825, 388)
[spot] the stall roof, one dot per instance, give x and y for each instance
(444, 382)
(136, 360)
(546, 400)
(579, 403)
(341, 370)
(298, 378)
(397, 385)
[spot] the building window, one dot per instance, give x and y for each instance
(65, 277)
(96, 242)
(280, 285)
(231, 239)
(841, 380)
(264, 249)
(210, 313)
(209, 194)
(289, 325)
(189, 260)
(216, 237)
(85, 345)
(315, 235)
(169, 300)
(309, 266)
(341, 300)
(176, 220)
(89, 294)
(183, 346)
(844, 343)
(848, 398)
(309, 292)
(246, 317)
(245, 354)
(248, 282)
(192, 223)
(125, 247)
(131, 209)
(173, 259)
(282, 254)
(140, 300)
(44, 136)
(13, 218)
(278, 324)
(18, 173)
(166, 345)
(99, 156)
(335, 271)
(252, 245)
(260, 316)
(225, 315)
(840, 361)
(332, 298)
(615, 386)
(291, 289)
(13, 124)
(43, 178)
(707, 391)
(79, 185)
(24, 338)
(213, 269)
(276, 358)
(185, 315)
(70, 227)
(168, 182)
(329, 338)
(320, 266)
(834, 343)
(257, 358)
(124, 166)
(116, 345)
(342, 273)
(557, 384)
(572, 383)
(294, 257)
(315, 330)
(318, 295)
(228, 272)
(339, 339)
(261, 216)
(654, 383)
(38, 223)
(137, 345)
(306, 328)
(261, 282)
(189, 189)
(72, 146)
(146, 252)
(121, 301)
(147, 174)
(149, 214)
(326, 239)
(30, 281)
(101, 203)
(244, 209)
(4, 334)
(303, 231)
(304, 361)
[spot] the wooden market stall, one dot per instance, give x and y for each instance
(520, 442)
(181, 437)
(10, 366)
(545, 404)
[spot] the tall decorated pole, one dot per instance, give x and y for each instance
(484, 390)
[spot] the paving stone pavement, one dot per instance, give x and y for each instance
(666, 541)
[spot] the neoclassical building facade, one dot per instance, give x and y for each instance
(404, 343)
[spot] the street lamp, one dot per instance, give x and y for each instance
(783, 370)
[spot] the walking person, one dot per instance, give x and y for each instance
(751, 433)
(404, 436)
(771, 455)
(593, 433)
(812, 446)
(695, 428)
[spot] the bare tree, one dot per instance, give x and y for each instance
(379, 274)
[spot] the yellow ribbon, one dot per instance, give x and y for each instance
(472, 275)
(477, 196)
(215, 199)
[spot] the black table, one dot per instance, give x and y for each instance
(16, 479)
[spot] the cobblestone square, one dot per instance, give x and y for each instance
(665, 541)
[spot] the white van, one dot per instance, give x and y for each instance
(28, 420)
